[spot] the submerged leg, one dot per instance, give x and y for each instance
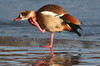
(52, 52)
(51, 41)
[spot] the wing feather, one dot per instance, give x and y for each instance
(71, 19)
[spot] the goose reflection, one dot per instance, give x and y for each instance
(58, 59)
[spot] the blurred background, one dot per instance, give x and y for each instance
(87, 11)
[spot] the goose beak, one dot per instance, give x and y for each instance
(17, 19)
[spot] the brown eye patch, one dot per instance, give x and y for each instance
(24, 13)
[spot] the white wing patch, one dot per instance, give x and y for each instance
(51, 13)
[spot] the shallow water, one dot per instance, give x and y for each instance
(22, 52)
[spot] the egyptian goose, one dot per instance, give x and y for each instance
(51, 18)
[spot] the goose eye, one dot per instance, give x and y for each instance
(24, 14)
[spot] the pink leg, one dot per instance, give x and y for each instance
(51, 41)
(37, 25)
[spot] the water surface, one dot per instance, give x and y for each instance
(22, 52)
